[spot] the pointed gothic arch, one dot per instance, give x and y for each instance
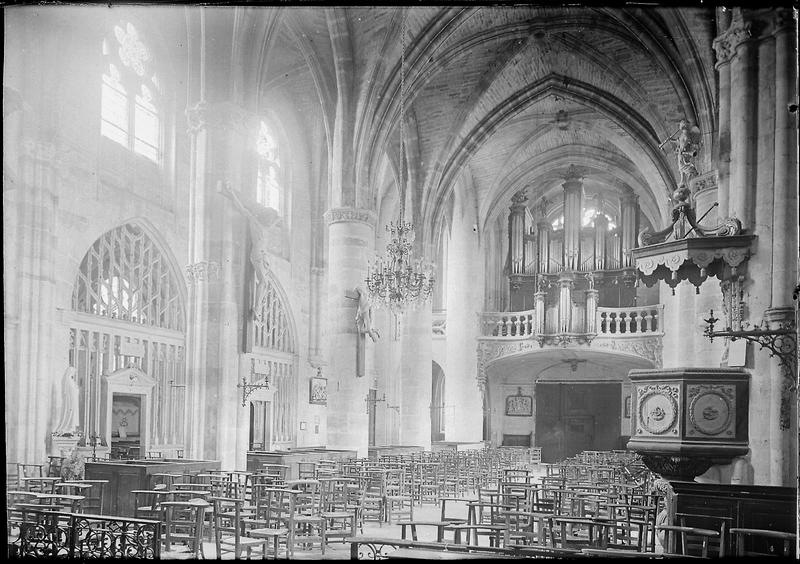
(128, 312)
(272, 343)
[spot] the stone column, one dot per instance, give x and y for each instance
(216, 275)
(783, 443)
(573, 192)
(29, 253)
(416, 364)
(784, 248)
(464, 262)
(351, 241)
(742, 186)
(541, 308)
(724, 134)
(629, 224)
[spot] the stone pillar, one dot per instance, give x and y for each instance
(464, 262)
(629, 224)
(416, 362)
(784, 248)
(541, 308)
(29, 253)
(783, 437)
(742, 186)
(724, 134)
(216, 275)
(351, 240)
(573, 193)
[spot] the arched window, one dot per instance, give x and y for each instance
(273, 345)
(129, 113)
(269, 192)
(128, 312)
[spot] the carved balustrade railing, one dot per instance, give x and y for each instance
(629, 320)
(48, 534)
(516, 324)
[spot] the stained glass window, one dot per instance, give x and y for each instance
(129, 101)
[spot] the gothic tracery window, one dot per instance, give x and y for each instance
(128, 311)
(130, 94)
(274, 343)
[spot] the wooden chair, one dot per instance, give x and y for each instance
(373, 505)
(399, 499)
(761, 542)
(340, 517)
(229, 530)
(306, 470)
(183, 524)
(693, 541)
(274, 518)
(309, 524)
(147, 503)
(54, 466)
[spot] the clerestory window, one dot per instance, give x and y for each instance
(130, 94)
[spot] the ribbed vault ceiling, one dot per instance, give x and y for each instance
(510, 96)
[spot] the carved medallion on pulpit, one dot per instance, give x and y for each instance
(658, 410)
(712, 410)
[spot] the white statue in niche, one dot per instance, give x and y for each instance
(67, 403)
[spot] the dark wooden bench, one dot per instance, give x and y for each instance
(708, 506)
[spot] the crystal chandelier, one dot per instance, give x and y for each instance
(397, 281)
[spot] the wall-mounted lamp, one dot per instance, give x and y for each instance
(248, 389)
(781, 343)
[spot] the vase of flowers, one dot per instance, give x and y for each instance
(73, 467)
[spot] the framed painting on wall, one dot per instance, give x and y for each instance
(519, 405)
(318, 390)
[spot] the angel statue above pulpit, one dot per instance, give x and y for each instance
(260, 220)
(686, 143)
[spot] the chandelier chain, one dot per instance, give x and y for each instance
(397, 281)
(402, 110)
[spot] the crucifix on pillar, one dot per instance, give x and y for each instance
(363, 325)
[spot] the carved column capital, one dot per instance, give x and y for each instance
(218, 115)
(203, 271)
(726, 44)
(342, 215)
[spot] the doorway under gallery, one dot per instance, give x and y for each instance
(571, 418)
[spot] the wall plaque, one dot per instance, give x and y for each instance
(519, 405)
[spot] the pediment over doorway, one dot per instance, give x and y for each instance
(130, 376)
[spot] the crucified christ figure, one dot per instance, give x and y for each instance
(259, 220)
